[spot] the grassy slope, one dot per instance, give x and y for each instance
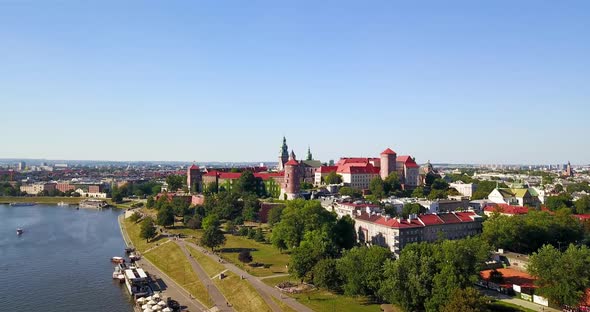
(170, 259)
(238, 292)
(40, 199)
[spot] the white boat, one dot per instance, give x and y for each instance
(61, 203)
(137, 282)
(19, 231)
(117, 259)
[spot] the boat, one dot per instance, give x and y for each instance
(22, 204)
(134, 256)
(137, 282)
(119, 271)
(129, 250)
(117, 259)
(93, 203)
(19, 231)
(61, 203)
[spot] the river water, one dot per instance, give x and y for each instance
(62, 260)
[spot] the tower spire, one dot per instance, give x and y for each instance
(309, 156)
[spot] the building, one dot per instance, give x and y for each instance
(568, 170)
(64, 187)
(520, 197)
(84, 193)
(505, 209)
(21, 166)
(267, 182)
(322, 172)
(388, 163)
(292, 179)
(396, 233)
(357, 172)
(348, 209)
(408, 172)
(465, 189)
(194, 179)
(36, 188)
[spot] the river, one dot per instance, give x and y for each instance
(61, 261)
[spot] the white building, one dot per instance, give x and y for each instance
(465, 189)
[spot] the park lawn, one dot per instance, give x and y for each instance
(323, 300)
(40, 199)
(139, 243)
(241, 295)
(209, 265)
(171, 260)
(263, 253)
(190, 235)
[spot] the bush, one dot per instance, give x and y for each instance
(259, 236)
(243, 231)
(135, 216)
(251, 233)
(244, 256)
(194, 223)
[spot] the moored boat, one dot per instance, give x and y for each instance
(19, 231)
(22, 204)
(62, 203)
(117, 259)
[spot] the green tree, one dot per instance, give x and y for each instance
(559, 201)
(150, 202)
(244, 256)
(344, 235)
(484, 188)
(325, 275)
(116, 195)
(377, 187)
(466, 300)
(418, 192)
(349, 191)
(274, 215)
(212, 237)
(246, 183)
(251, 208)
(175, 182)
(194, 222)
(147, 229)
(582, 204)
(333, 178)
(412, 208)
(392, 183)
(562, 277)
(317, 245)
(230, 227)
(165, 216)
(361, 269)
(211, 221)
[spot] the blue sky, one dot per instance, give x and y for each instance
(446, 81)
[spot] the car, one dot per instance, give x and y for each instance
(173, 304)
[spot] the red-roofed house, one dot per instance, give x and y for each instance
(408, 171)
(505, 209)
(322, 172)
(358, 175)
(395, 233)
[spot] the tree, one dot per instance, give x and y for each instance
(333, 178)
(165, 216)
(325, 275)
(361, 269)
(317, 245)
(344, 234)
(148, 229)
(484, 188)
(418, 192)
(150, 202)
(582, 204)
(180, 205)
(194, 222)
(246, 183)
(392, 183)
(559, 201)
(211, 221)
(135, 216)
(562, 277)
(116, 195)
(259, 235)
(251, 207)
(175, 182)
(274, 215)
(244, 256)
(212, 237)
(466, 300)
(229, 227)
(349, 191)
(412, 208)
(377, 187)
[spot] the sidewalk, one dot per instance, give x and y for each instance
(516, 301)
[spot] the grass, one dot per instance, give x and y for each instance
(171, 260)
(284, 307)
(238, 292)
(241, 294)
(322, 300)
(210, 267)
(274, 261)
(139, 243)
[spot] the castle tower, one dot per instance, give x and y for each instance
(283, 155)
(388, 158)
(309, 155)
(194, 179)
(292, 178)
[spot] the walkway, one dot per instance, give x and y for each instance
(264, 290)
(219, 300)
(171, 288)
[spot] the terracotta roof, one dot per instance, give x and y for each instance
(292, 162)
(390, 222)
(408, 161)
(388, 152)
(422, 220)
(507, 209)
(269, 175)
(465, 216)
(431, 219)
(194, 167)
(327, 169)
(449, 218)
(582, 217)
(358, 169)
(355, 160)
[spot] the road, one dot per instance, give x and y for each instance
(516, 301)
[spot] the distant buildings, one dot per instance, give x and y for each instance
(465, 189)
(36, 188)
(516, 196)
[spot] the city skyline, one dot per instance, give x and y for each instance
(458, 82)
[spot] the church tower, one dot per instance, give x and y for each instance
(283, 155)
(194, 179)
(309, 156)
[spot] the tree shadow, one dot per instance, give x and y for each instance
(236, 250)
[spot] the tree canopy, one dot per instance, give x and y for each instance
(148, 229)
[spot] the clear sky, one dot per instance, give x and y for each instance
(446, 81)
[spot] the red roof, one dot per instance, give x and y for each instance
(327, 169)
(292, 162)
(465, 216)
(358, 169)
(388, 152)
(431, 219)
(511, 277)
(408, 161)
(582, 217)
(507, 209)
(422, 220)
(269, 175)
(355, 160)
(449, 218)
(387, 221)
(194, 167)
